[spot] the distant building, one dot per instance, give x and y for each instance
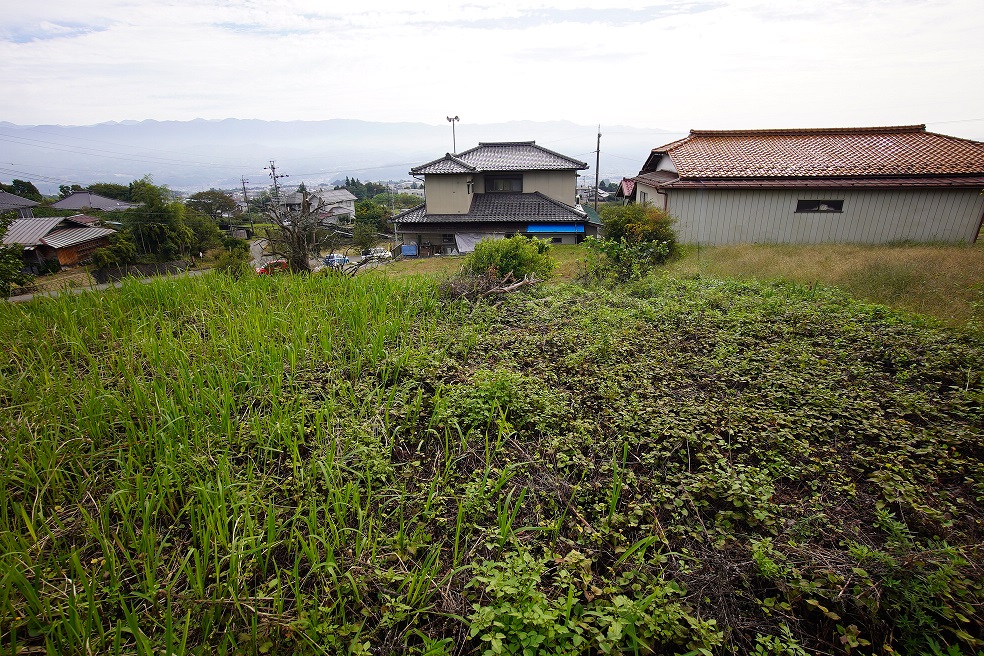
(81, 200)
(333, 205)
(492, 191)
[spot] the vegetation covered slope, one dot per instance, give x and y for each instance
(319, 465)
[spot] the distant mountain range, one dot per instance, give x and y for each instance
(198, 154)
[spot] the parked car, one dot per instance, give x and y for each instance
(335, 260)
(379, 254)
(273, 266)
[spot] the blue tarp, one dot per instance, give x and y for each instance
(409, 249)
(567, 227)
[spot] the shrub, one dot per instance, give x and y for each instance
(519, 256)
(638, 223)
(120, 251)
(637, 239)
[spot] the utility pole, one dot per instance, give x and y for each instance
(597, 163)
(249, 213)
(454, 141)
(273, 176)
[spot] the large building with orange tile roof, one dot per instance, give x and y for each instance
(826, 185)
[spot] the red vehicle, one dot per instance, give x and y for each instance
(273, 266)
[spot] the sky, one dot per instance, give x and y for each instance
(673, 65)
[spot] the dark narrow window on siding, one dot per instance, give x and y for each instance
(497, 183)
(447, 239)
(819, 206)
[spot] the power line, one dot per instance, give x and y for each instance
(96, 152)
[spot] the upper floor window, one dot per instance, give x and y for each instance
(819, 206)
(495, 183)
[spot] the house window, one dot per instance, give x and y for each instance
(819, 206)
(557, 240)
(447, 239)
(471, 187)
(643, 197)
(500, 183)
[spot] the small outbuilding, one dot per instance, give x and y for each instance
(70, 240)
(858, 185)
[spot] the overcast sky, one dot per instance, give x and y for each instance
(713, 64)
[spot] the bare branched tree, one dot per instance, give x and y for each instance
(297, 235)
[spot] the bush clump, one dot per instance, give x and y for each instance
(637, 238)
(518, 256)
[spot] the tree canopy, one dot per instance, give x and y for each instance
(22, 188)
(157, 224)
(213, 203)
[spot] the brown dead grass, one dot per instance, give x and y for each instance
(944, 281)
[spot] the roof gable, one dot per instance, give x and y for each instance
(501, 156)
(31, 232)
(822, 152)
(81, 199)
(10, 201)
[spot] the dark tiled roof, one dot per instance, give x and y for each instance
(500, 208)
(10, 201)
(824, 152)
(82, 199)
(501, 156)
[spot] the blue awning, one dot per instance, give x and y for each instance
(566, 227)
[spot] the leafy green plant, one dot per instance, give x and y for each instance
(518, 256)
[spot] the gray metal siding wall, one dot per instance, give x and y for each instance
(723, 216)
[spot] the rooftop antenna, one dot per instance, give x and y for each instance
(454, 142)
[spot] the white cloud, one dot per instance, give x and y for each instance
(732, 63)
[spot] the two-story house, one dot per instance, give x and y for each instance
(495, 190)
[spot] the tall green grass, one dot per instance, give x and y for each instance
(148, 433)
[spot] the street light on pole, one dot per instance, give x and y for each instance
(454, 142)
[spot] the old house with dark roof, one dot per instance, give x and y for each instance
(495, 190)
(81, 200)
(858, 185)
(70, 240)
(14, 203)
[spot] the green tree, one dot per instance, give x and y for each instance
(11, 263)
(398, 201)
(205, 232)
(120, 251)
(22, 188)
(64, 191)
(364, 235)
(157, 224)
(111, 190)
(369, 212)
(213, 203)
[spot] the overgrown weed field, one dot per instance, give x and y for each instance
(942, 280)
(327, 465)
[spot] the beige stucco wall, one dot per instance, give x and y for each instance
(447, 194)
(870, 216)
